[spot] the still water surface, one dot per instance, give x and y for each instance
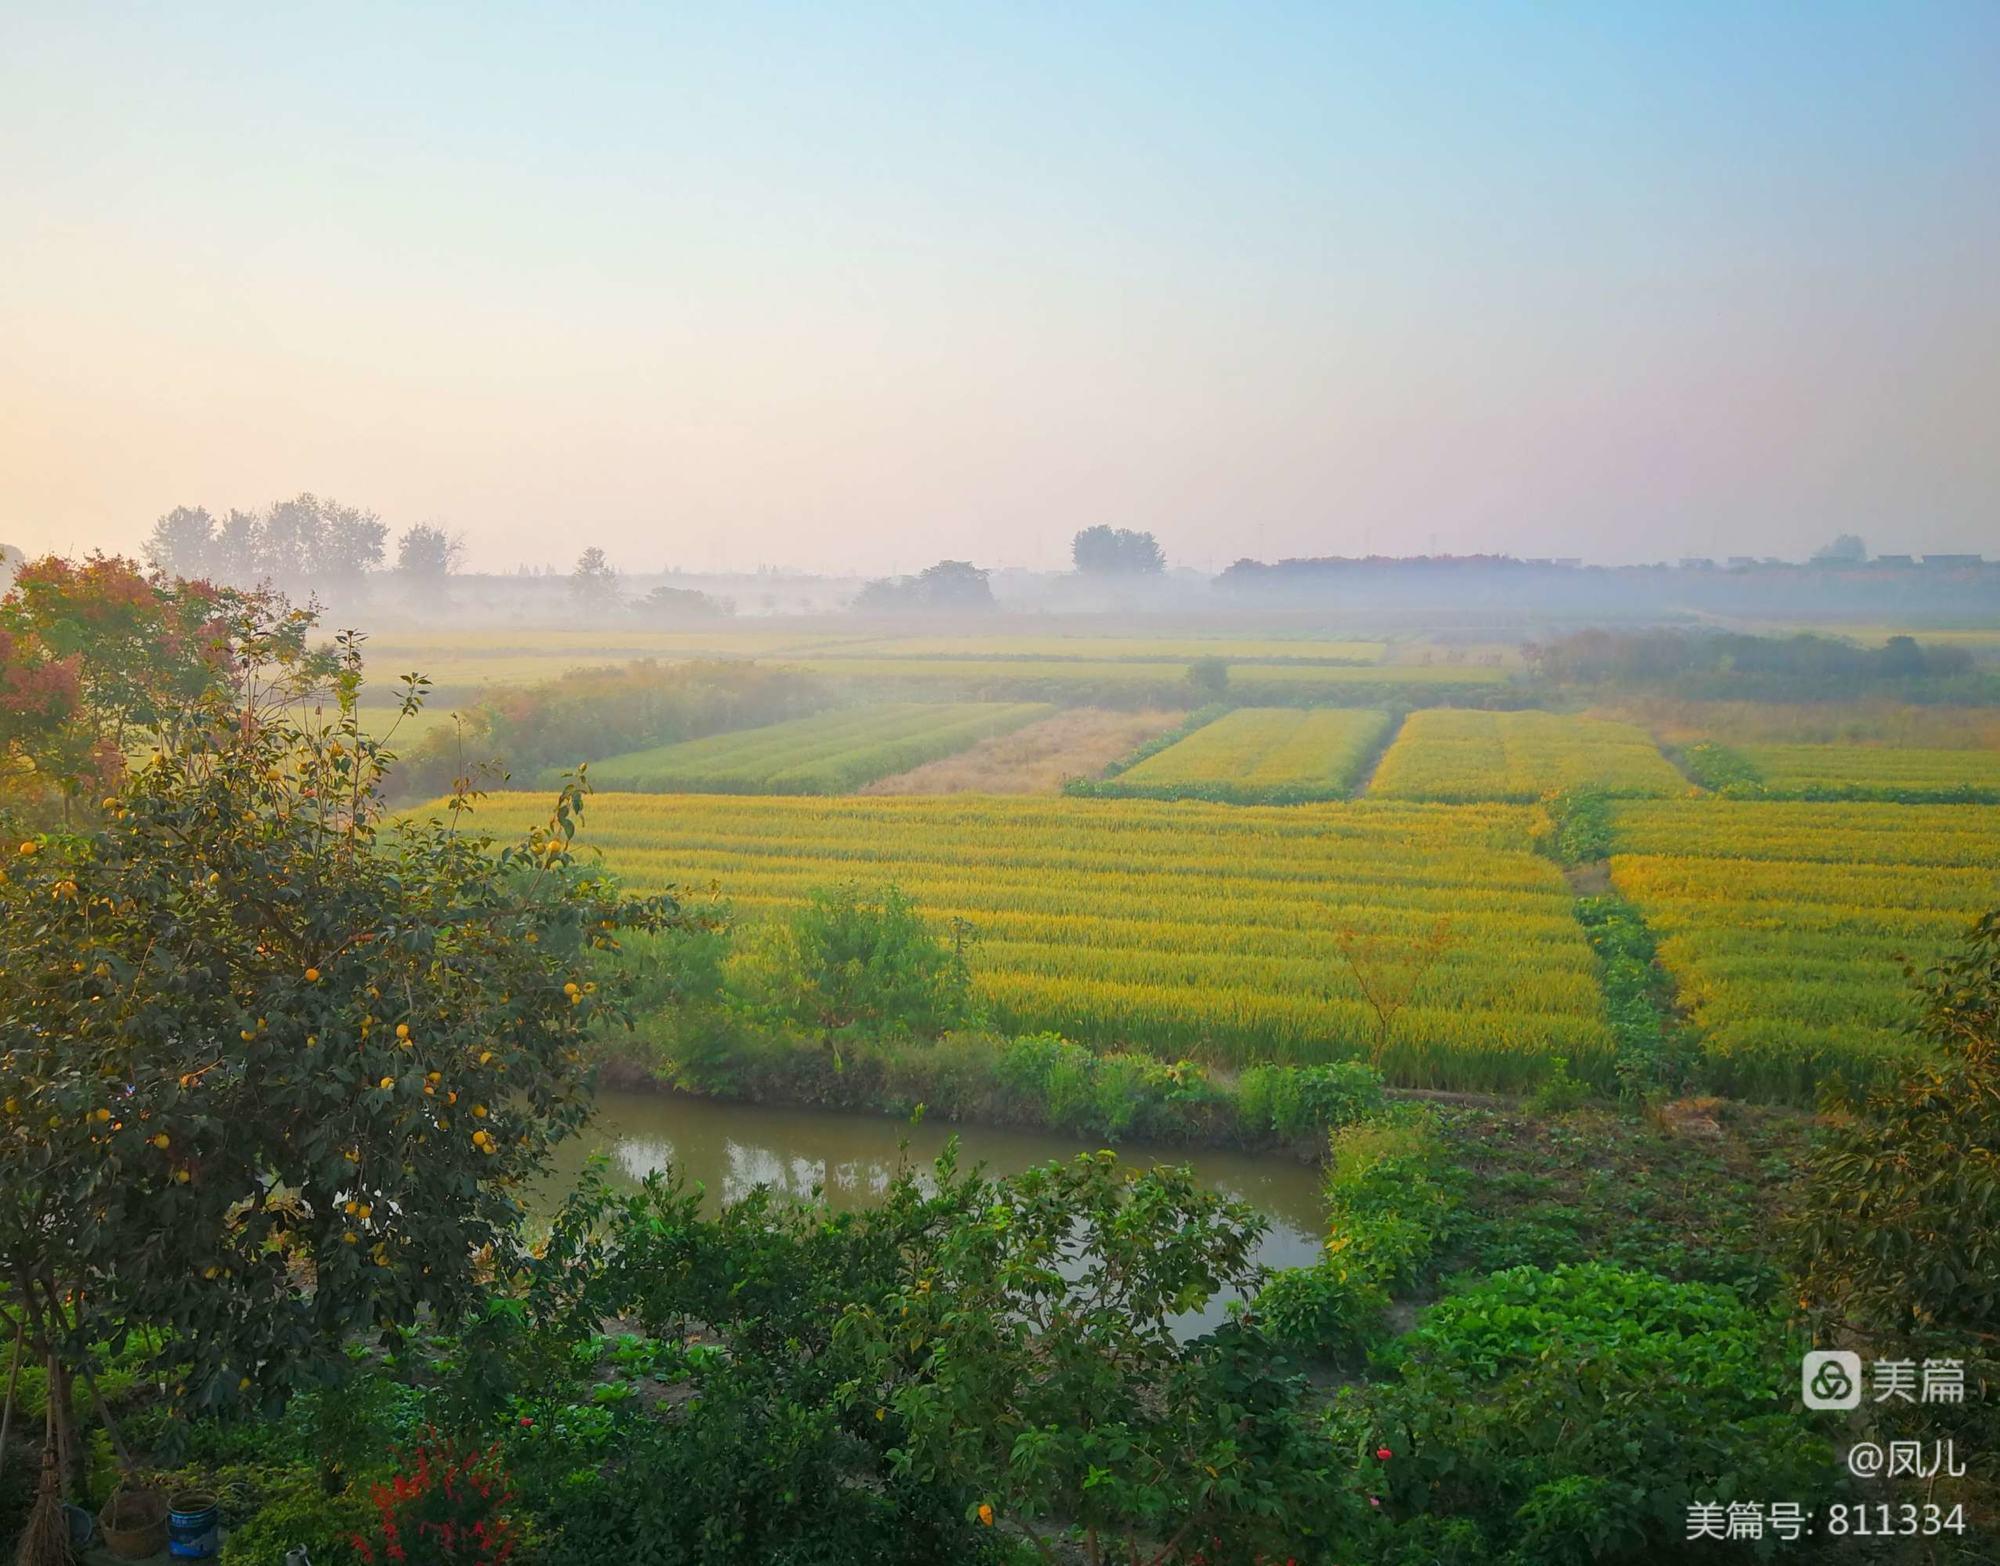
(732, 1148)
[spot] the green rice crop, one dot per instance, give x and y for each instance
(825, 754)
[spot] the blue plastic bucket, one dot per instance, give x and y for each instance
(194, 1526)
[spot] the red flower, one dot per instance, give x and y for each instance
(1384, 1453)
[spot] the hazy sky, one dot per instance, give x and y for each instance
(867, 284)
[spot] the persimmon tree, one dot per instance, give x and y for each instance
(274, 1067)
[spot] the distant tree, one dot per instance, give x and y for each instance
(350, 543)
(950, 584)
(1208, 678)
(665, 604)
(287, 541)
(1106, 551)
(594, 582)
(1847, 549)
(1902, 658)
(235, 553)
(182, 543)
(954, 584)
(428, 553)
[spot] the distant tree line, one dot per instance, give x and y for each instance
(309, 540)
(594, 584)
(950, 584)
(1708, 663)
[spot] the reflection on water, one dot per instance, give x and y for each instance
(732, 1148)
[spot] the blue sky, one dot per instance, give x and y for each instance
(865, 285)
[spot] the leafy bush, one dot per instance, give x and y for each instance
(305, 1515)
(1580, 831)
(1296, 1101)
(1559, 1091)
(1040, 1080)
(969, 1361)
(750, 1470)
(852, 959)
(1387, 1207)
(1721, 769)
(1208, 678)
(1571, 1416)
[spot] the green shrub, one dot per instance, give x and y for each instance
(326, 1525)
(1321, 1309)
(1041, 1080)
(1386, 1210)
(1298, 1101)
(1570, 1416)
(1208, 678)
(860, 960)
(750, 1471)
(1579, 830)
(1721, 770)
(1560, 1091)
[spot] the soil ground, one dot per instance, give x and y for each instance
(1038, 759)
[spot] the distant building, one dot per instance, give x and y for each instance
(1696, 563)
(1741, 562)
(1895, 560)
(1953, 560)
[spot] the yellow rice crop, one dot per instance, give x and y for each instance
(1184, 928)
(1785, 925)
(1447, 754)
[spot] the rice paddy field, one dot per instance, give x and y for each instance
(1082, 671)
(1136, 649)
(1260, 755)
(1180, 928)
(827, 753)
(1784, 925)
(463, 663)
(1876, 771)
(1448, 755)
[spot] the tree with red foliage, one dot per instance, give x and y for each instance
(95, 655)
